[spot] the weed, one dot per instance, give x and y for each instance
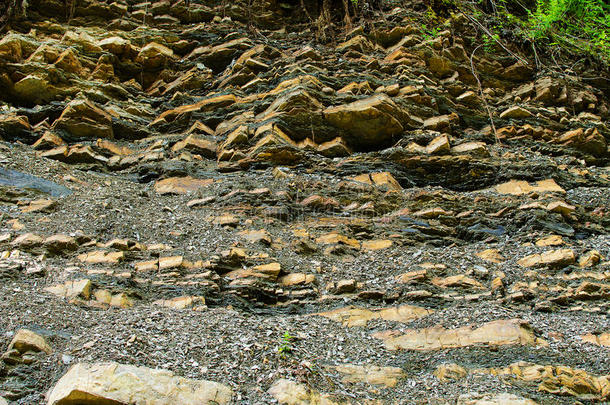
(285, 347)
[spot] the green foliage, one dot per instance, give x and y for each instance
(285, 347)
(489, 43)
(580, 24)
(429, 32)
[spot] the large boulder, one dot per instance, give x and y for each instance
(83, 119)
(35, 89)
(25, 340)
(370, 123)
(586, 140)
(154, 56)
(114, 383)
(14, 47)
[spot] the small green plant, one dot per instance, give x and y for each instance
(285, 347)
(429, 33)
(489, 43)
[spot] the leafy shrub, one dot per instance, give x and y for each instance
(583, 24)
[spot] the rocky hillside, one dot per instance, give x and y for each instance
(203, 204)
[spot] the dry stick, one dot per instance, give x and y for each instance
(536, 56)
(306, 12)
(474, 73)
(348, 20)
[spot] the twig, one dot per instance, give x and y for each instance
(306, 12)
(536, 56)
(474, 73)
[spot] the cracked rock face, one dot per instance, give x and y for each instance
(204, 203)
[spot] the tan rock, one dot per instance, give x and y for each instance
(515, 112)
(27, 241)
(354, 316)
(271, 269)
(181, 185)
(68, 62)
(83, 154)
(147, 265)
(552, 258)
(60, 243)
(439, 146)
(106, 383)
(552, 240)
(356, 88)
(458, 281)
(412, 277)
(189, 301)
(113, 147)
(115, 45)
(471, 148)
(257, 236)
(208, 104)
(558, 380)
(370, 374)
(589, 141)
(469, 98)
(590, 259)
(493, 399)
(11, 49)
(519, 187)
(83, 39)
(35, 88)
(357, 43)
(335, 238)
(27, 341)
(430, 213)
(103, 296)
(14, 126)
(237, 137)
(294, 279)
(48, 140)
(495, 333)
(100, 256)
(561, 207)
(574, 382)
(226, 220)
(491, 255)
(440, 66)
(267, 272)
(441, 123)
(369, 123)
(334, 148)
(377, 244)
(345, 286)
(382, 179)
(602, 339)
(171, 262)
(121, 300)
(42, 205)
(450, 372)
(83, 119)
(154, 55)
(197, 145)
(275, 146)
(72, 289)
(287, 392)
